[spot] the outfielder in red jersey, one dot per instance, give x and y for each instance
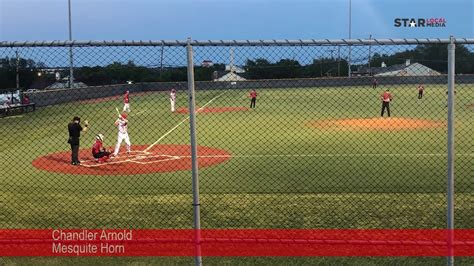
(253, 98)
(421, 89)
(126, 102)
(100, 154)
(386, 97)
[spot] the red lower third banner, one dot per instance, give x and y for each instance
(236, 242)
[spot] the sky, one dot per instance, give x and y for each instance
(29, 20)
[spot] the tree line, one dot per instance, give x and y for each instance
(432, 56)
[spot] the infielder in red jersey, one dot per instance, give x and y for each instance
(126, 102)
(253, 98)
(421, 89)
(386, 97)
(122, 125)
(100, 154)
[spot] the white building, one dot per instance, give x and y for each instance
(407, 69)
(64, 84)
(231, 76)
(207, 63)
(415, 69)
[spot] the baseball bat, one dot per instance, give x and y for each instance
(118, 112)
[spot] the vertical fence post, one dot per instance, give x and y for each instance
(450, 177)
(195, 176)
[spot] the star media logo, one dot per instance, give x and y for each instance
(420, 22)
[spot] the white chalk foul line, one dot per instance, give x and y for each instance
(131, 152)
(132, 159)
(13, 116)
(329, 155)
(177, 157)
(184, 120)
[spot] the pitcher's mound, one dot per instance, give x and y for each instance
(387, 123)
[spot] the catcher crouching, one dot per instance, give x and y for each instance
(100, 154)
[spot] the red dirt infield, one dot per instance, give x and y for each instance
(159, 159)
(387, 123)
(205, 110)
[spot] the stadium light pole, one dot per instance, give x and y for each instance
(350, 36)
(161, 58)
(338, 61)
(71, 72)
(17, 70)
(370, 69)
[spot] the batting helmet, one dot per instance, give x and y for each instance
(100, 137)
(124, 115)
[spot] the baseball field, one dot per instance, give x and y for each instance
(303, 158)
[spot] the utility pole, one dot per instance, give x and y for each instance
(350, 36)
(370, 69)
(17, 70)
(338, 61)
(332, 59)
(231, 61)
(161, 58)
(321, 69)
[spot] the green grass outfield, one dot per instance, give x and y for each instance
(284, 173)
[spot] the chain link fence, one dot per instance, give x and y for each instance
(287, 136)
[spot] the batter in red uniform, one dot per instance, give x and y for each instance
(253, 98)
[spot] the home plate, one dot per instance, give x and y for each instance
(160, 158)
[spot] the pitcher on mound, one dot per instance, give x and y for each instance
(122, 125)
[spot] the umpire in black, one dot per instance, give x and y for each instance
(75, 128)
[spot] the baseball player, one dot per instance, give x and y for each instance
(374, 83)
(100, 154)
(421, 89)
(386, 97)
(253, 98)
(173, 100)
(447, 94)
(122, 125)
(126, 102)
